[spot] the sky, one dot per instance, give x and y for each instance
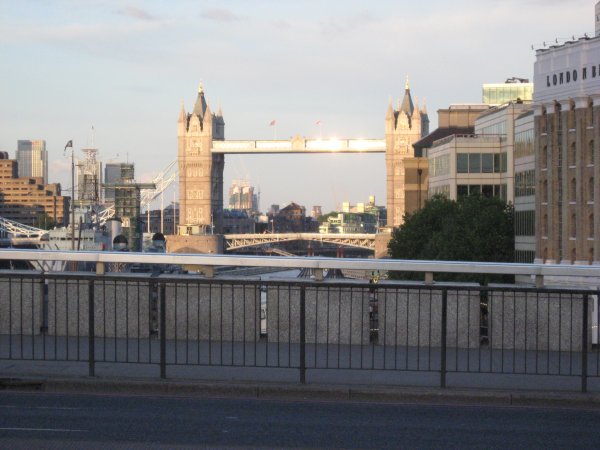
(125, 67)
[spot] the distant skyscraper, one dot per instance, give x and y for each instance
(32, 159)
(242, 196)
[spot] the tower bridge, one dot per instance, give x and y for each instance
(201, 158)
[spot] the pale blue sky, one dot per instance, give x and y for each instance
(124, 67)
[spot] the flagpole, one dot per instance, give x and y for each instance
(72, 198)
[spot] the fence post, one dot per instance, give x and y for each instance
(584, 343)
(91, 330)
(303, 335)
(444, 335)
(163, 332)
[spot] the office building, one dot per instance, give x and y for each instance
(32, 159)
(481, 163)
(27, 201)
(512, 90)
(524, 188)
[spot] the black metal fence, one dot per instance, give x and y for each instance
(341, 328)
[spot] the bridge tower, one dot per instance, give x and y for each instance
(404, 127)
(200, 171)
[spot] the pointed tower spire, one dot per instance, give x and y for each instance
(407, 103)
(390, 110)
(424, 108)
(200, 106)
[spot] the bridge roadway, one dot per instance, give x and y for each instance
(237, 241)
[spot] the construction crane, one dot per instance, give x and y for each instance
(162, 181)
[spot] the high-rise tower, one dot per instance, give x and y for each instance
(200, 171)
(32, 158)
(404, 127)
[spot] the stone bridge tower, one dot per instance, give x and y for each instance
(200, 171)
(404, 127)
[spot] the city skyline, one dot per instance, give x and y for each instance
(125, 69)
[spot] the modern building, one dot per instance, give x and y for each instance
(350, 223)
(243, 197)
(478, 164)
(28, 201)
(115, 173)
(406, 172)
(567, 151)
(512, 90)
(32, 159)
(524, 188)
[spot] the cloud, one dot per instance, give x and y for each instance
(220, 15)
(334, 26)
(136, 13)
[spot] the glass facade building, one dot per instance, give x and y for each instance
(32, 159)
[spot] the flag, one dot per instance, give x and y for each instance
(273, 123)
(69, 144)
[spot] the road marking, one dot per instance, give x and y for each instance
(44, 429)
(40, 407)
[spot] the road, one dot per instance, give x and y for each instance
(41, 420)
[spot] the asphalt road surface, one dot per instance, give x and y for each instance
(39, 420)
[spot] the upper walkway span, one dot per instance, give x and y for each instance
(300, 145)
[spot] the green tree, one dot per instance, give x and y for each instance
(473, 228)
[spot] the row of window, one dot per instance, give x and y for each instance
(440, 165)
(524, 143)
(496, 129)
(524, 256)
(481, 162)
(525, 183)
(588, 228)
(525, 223)
(485, 190)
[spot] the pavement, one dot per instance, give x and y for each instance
(309, 392)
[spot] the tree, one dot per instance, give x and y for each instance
(473, 228)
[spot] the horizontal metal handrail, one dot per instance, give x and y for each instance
(305, 262)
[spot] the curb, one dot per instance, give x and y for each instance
(266, 391)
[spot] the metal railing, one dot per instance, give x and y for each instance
(306, 330)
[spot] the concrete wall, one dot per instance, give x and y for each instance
(536, 321)
(122, 309)
(20, 306)
(212, 312)
(333, 315)
(412, 317)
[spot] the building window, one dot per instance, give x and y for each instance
(474, 163)
(590, 195)
(591, 226)
(545, 225)
(572, 157)
(525, 223)
(573, 225)
(573, 190)
(487, 163)
(462, 163)
(590, 153)
(573, 255)
(545, 191)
